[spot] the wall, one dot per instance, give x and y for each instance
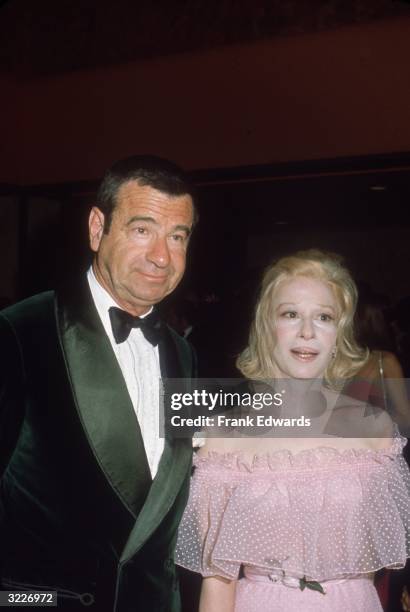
(377, 256)
(9, 255)
(321, 95)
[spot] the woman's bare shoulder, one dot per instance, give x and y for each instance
(354, 418)
(391, 366)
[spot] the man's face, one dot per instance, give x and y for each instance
(142, 258)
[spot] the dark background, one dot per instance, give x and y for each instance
(293, 118)
(248, 216)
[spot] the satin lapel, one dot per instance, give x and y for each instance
(101, 397)
(171, 367)
(169, 358)
(173, 468)
(172, 471)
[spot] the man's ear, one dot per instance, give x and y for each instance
(96, 228)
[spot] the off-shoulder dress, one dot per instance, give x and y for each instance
(284, 524)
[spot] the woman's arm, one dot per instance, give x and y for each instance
(396, 392)
(217, 595)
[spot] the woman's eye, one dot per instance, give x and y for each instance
(325, 317)
(290, 314)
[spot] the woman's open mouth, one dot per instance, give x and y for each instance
(304, 354)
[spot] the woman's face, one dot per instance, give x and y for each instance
(305, 326)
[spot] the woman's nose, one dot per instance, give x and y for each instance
(307, 329)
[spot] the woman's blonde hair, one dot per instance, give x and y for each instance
(257, 362)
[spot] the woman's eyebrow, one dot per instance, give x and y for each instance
(326, 306)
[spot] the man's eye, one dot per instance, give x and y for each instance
(178, 237)
(141, 230)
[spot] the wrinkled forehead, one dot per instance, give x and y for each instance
(138, 190)
(133, 197)
(303, 288)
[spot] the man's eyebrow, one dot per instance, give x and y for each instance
(176, 228)
(131, 220)
(182, 228)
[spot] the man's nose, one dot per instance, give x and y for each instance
(158, 253)
(307, 329)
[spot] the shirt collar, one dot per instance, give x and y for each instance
(104, 301)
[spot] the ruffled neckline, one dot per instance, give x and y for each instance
(312, 457)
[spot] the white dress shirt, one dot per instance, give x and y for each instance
(139, 363)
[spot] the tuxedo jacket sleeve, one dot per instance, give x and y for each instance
(79, 512)
(11, 392)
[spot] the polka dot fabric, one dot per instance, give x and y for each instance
(325, 514)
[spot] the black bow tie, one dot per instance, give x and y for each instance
(122, 322)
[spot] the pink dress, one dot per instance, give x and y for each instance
(324, 515)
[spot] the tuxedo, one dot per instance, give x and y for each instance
(79, 511)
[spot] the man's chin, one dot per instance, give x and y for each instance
(149, 298)
(150, 293)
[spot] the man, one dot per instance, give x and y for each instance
(91, 496)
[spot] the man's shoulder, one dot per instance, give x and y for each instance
(41, 307)
(30, 309)
(25, 321)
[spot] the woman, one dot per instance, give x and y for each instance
(382, 376)
(300, 523)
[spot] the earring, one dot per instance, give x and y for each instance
(333, 354)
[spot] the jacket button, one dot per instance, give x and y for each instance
(87, 599)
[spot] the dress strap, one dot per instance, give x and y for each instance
(382, 380)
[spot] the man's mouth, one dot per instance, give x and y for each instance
(155, 277)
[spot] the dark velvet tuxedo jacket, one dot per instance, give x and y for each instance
(78, 510)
